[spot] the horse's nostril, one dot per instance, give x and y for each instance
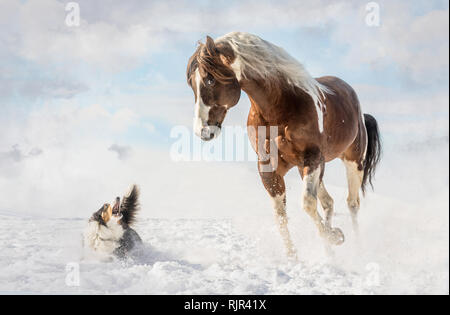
(205, 133)
(209, 132)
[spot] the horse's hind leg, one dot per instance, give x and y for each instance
(353, 160)
(354, 180)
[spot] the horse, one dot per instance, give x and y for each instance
(317, 120)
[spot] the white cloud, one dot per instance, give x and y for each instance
(16, 154)
(124, 118)
(64, 123)
(384, 100)
(10, 160)
(37, 32)
(417, 45)
(150, 127)
(123, 151)
(119, 34)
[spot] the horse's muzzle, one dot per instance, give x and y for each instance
(209, 132)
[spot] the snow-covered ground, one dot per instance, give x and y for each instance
(228, 256)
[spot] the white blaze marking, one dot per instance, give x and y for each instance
(201, 110)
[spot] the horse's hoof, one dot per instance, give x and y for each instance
(336, 237)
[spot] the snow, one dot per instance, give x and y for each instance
(225, 256)
(180, 257)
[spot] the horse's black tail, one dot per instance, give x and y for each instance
(373, 153)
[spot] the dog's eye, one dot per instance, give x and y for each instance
(210, 81)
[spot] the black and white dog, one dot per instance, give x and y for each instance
(109, 233)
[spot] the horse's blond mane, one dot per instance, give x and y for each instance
(257, 58)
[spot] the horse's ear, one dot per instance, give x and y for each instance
(210, 46)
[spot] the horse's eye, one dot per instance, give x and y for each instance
(210, 81)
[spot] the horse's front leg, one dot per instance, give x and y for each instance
(274, 184)
(311, 180)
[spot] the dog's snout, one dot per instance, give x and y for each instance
(116, 208)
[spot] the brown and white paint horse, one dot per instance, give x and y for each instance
(318, 120)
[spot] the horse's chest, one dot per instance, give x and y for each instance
(292, 139)
(277, 144)
(289, 151)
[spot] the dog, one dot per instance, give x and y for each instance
(109, 231)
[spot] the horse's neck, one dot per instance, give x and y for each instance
(272, 102)
(265, 100)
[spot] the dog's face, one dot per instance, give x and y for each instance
(103, 215)
(107, 226)
(108, 214)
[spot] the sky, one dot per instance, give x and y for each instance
(87, 110)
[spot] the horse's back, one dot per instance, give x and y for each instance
(340, 91)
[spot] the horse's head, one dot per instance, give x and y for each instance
(215, 86)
